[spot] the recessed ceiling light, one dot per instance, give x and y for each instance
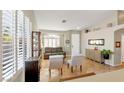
(64, 21)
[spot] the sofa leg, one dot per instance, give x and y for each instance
(76, 67)
(68, 65)
(72, 69)
(63, 61)
(81, 68)
(61, 71)
(49, 72)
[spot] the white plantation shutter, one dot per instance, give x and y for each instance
(20, 39)
(25, 36)
(28, 39)
(8, 55)
(14, 39)
(12, 43)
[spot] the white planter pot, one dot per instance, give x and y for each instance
(107, 62)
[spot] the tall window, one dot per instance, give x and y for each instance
(27, 37)
(20, 39)
(8, 54)
(51, 41)
(12, 43)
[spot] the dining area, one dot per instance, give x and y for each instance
(57, 67)
(57, 62)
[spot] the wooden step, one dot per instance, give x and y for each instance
(78, 76)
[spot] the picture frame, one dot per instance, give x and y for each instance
(118, 44)
(99, 42)
(67, 41)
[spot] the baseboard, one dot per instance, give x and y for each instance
(116, 65)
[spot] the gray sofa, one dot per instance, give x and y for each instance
(53, 51)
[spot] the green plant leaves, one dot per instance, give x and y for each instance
(106, 52)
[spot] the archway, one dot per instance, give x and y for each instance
(119, 47)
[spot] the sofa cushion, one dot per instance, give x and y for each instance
(60, 53)
(48, 50)
(53, 50)
(53, 53)
(59, 49)
(48, 53)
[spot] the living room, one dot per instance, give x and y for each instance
(103, 32)
(59, 46)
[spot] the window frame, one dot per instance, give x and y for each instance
(51, 37)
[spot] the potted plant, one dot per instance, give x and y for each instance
(106, 53)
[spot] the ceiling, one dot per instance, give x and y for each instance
(75, 19)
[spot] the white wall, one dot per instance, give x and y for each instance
(117, 37)
(65, 35)
(67, 47)
(30, 15)
(122, 49)
(107, 34)
(113, 18)
(120, 17)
